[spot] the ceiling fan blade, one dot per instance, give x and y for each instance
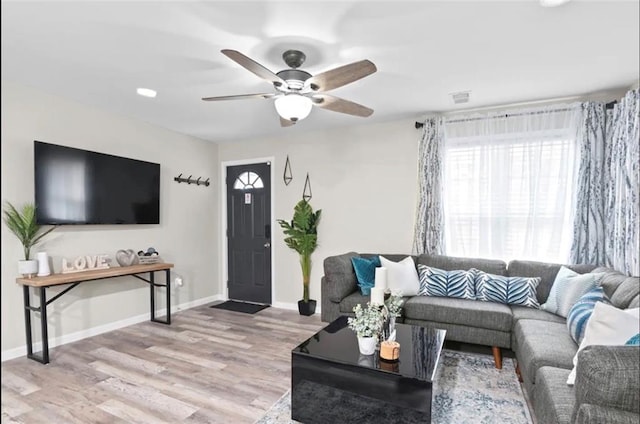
(337, 104)
(286, 122)
(241, 96)
(338, 77)
(254, 67)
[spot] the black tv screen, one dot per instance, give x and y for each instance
(75, 186)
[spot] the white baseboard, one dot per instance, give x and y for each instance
(94, 331)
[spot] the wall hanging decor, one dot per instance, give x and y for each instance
(288, 176)
(306, 193)
(190, 180)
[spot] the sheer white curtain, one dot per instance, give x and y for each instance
(509, 182)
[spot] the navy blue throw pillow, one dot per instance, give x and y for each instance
(366, 272)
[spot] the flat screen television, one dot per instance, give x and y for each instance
(75, 186)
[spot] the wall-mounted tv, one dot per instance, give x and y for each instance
(75, 186)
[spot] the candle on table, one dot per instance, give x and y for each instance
(377, 296)
(381, 278)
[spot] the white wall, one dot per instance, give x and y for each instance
(363, 178)
(187, 235)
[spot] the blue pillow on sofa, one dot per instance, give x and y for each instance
(508, 290)
(581, 311)
(633, 341)
(365, 272)
(438, 282)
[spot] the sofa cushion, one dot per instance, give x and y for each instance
(438, 282)
(467, 334)
(620, 289)
(546, 271)
(365, 270)
(507, 290)
(493, 316)
(451, 263)
(608, 326)
(542, 343)
(349, 302)
(609, 376)
(554, 401)
(596, 414)
(524, 312)
(340, 279)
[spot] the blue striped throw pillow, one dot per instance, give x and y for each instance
(507, 290)
(581, 311)
(633, 341)
(438, 282)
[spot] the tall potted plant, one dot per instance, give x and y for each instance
(23, 224)
(302, 236)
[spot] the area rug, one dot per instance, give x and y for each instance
(468, 389)
(247, 308)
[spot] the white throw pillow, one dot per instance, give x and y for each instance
(551, 305)
(402, 276)
(567, 289)
(608, 326)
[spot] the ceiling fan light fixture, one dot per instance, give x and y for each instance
(293, 107)
(146, 92)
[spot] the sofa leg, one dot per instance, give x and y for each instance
(497, 356)
(518, 373)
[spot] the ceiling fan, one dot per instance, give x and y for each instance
(298, 91)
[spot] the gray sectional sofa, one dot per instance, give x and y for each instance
(607, 388)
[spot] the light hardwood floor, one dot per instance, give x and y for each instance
(209, 366)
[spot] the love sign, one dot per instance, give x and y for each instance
(85, 263)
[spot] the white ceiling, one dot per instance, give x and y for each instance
(98, 53)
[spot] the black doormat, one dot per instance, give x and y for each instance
(247, 308)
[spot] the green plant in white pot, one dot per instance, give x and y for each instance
(302, 236)
(23, 224)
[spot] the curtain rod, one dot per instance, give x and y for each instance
(502, 115)
(419, 125)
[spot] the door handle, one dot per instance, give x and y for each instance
(267, 245)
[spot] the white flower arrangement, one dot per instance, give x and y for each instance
(394, 304)
(367, 322)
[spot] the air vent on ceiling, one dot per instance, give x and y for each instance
(460, 97)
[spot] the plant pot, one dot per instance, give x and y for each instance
(367, 345)
(28, 269)
(307, 308)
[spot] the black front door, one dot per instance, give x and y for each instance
(249, 232)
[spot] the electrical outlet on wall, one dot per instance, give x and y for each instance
(178, 282)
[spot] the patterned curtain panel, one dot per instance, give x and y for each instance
(622, 185)
(606, 227)
(588, 235)
(428, 231)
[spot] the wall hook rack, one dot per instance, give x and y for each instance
(190, 180)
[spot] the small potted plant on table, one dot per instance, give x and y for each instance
(23, 224)
(302, 236)
(367, 324)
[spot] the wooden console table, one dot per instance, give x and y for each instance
(75, 278)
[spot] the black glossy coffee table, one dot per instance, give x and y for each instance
(332, 383)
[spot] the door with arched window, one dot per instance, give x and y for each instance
(249, 232)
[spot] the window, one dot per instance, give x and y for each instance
(508, 189)
(248, 181)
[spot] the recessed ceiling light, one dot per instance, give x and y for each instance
(146, 92)
(552, 3)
